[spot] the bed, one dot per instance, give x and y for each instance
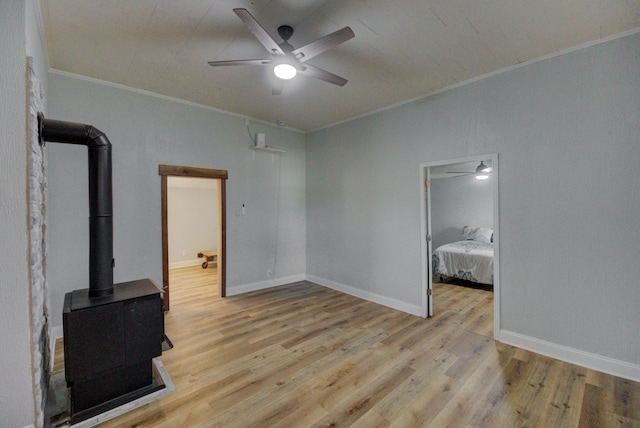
(470, 259)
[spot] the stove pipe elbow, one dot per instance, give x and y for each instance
(101, 261)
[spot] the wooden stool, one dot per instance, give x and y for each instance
(209, 256)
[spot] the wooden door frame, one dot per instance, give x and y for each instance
(187, 171)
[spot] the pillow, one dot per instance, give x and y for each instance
(480, 234)
(484, 234)
(468, 233)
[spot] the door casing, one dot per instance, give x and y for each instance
(186, 171)
(425, 219)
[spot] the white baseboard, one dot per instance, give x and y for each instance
(54, 334)
(366, 295)
(570, 355)
(254, 286)
(187, 263)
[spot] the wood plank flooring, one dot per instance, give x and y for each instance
(303, 355)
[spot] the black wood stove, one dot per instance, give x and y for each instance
(111, 332)
(109, 344)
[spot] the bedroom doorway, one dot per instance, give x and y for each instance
(471, 201)
(168, 172)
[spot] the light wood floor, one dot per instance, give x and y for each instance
(306, 356)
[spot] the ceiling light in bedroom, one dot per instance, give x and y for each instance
(483, 168)
(482, 171)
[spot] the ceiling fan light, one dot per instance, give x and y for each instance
(285, 71)
(482, 168)
(482, 171)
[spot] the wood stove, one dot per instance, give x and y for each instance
(111, 332)
(109, 344)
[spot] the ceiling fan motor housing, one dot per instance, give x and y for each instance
(285, 32)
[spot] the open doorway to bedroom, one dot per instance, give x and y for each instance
(193, 228)
(193, 232)
(459, 212)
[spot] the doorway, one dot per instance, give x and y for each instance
(462, 170)
(166, 171)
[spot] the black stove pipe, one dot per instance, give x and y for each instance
(101, 261)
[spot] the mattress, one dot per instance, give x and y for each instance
(468, 260)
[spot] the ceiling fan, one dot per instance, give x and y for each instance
(482, 171)
(287, 61)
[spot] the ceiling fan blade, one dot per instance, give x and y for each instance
(259, 32)
(322, 44)
(318, 73)
(240, 62)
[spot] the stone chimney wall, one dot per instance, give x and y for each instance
(37, 192)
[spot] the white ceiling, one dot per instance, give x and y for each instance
(402, 50)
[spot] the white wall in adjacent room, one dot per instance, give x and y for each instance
(192, 219)
(457, 202)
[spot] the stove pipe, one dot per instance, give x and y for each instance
(101, 261)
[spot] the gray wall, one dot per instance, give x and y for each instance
(16, 402)
(566, 132)
(34, 41)
(147, 131)
(457, 202)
